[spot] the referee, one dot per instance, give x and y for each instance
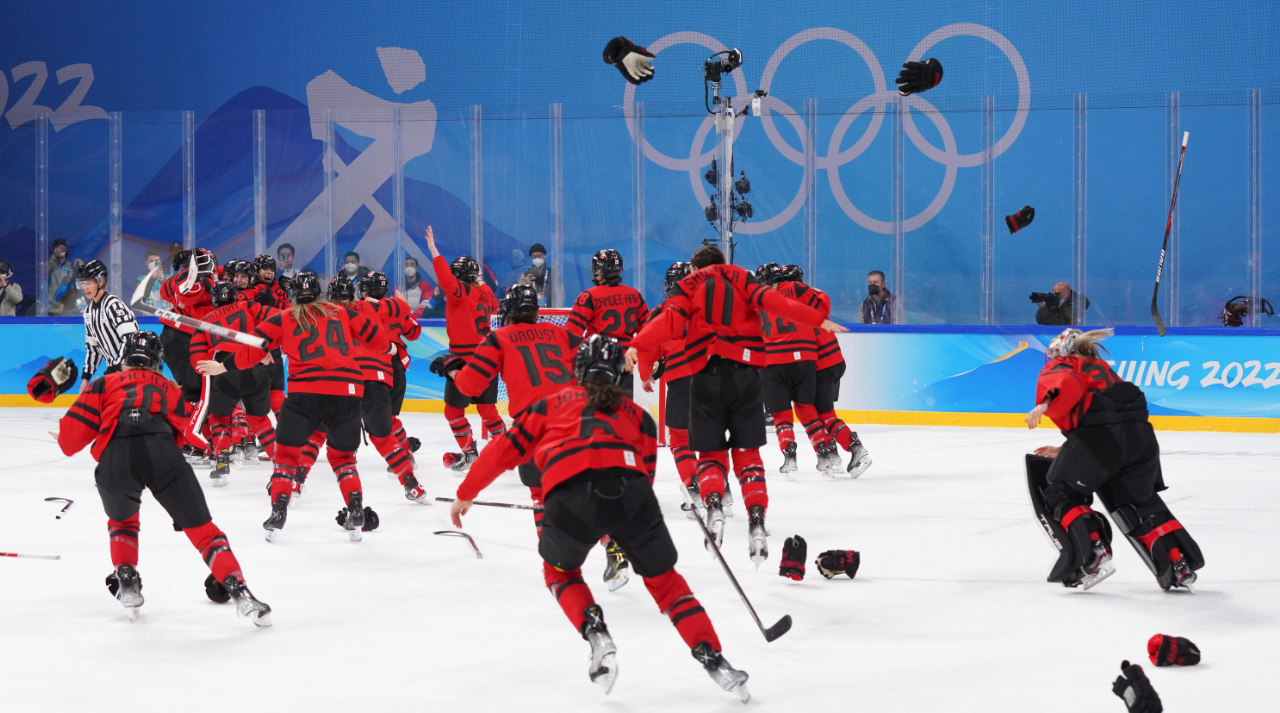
(107, 321)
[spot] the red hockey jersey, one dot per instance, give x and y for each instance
(534, 360)
(718, 308)
(240, 316)
(676, 363)
(467, 309)
(614, 311)
(566, 435)
(322, 356)
(374, 365)
(395, 315)
(96, 413)
(1087, 392)
(785, 341)
(195, 302)
(279, 298)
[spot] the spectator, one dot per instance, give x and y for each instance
(1060, 314)
(416, 290)
(876, 308)
(518, 267)
(60, 281)
(540, 270)
(284, 261)
(155, 274)
(354, 271)
(10, 292)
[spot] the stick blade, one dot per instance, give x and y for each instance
(777, 630)
(1155, 316)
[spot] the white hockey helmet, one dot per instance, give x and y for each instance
(1062, 345)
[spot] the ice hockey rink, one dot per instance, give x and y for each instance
(949, 612)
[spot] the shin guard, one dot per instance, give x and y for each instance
(494, 426)
(261, 427)
(813, 426)
(783, 426)
(396, 457)
(750, 471)
(215, 550)
(344, 467)
(311, 451)
(123, 535)
(679, 605)
(220, 433)
(837, 429)
(713, 468)
(686, 459)
(1081, 535)
(570, 591)
(1162, 542)
(461, 428)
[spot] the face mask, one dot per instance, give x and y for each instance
(873, 290)
(539, 262)
(351, 268)
(410, 271)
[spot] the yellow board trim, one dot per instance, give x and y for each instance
(1225, 424)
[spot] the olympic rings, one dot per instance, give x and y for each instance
(877, 102)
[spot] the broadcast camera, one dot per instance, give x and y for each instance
(1050, 299)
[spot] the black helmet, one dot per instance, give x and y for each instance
(92, 270)
(374, 285)
(223, 293)
(239, 267)
(465, 269)
(142, 348)
(791, 273)
(342, 289)
(306, 287)
(516, 299)
(677, 272)
(264, 262)
(606, 264)
(181, 260)
(600, 359)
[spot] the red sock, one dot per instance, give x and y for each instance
(813, 425)
(570, 591)
(220, 430)
(782, 425)
(261, 427)
(277, 400)
(838, 430)
(124, 540)
(750, 471)
(492, 420)
(344, 467)
(713, 468)
(675, 600)
(239, 425)
(461, 427)
(286, 465)
(539, 508)
(396, 457)
(311, 451)
(397, 430)
(215, 550)
(686, 459)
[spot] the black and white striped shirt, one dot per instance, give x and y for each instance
(106, 323)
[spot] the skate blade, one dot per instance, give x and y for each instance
(607, 674)
(355, 535)
(860, 467)
(134, 613)
(618, 581)
(259, 617)
(1089, 581)
(218, 481)
(744, 695)
(273, 535)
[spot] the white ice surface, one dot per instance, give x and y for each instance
(950, 611)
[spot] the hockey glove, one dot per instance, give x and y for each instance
(217, 593)
(265, 298)
(834, 562)
(371, 520)
(1135, 690)
(446, 363)
(57, 377)
(1172, 651)
(794, 551)
(414, 444)
(1021, 219)
(631, 59)
(917, 77)
(659, 369)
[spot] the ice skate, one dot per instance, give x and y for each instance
(604, 663)
(789, 461)
(415, 492)
(222, 469)
(1183, 577)
(355, 516)
(299, 482)
(249, 453)
(725, 676)
(1098, 567)
(192, 455)
(757, 533)
(727, 503)
(126, 585)
(829, 461)
(859, 458)
(715, 519)
(691, 511)
(617, 570)
(460, 463)
(279, 511)
(247, 605)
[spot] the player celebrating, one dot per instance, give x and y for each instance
(228, 386)
(188, 292)
(397, 317)
(1111, 449)
(610, 308)
(266, 291)
(131, 418)
(597, 451)
(717, 308)
(325, 390)
(469, 303)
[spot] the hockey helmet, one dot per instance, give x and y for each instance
(768, 273)
(677, 272)
(465, 268)
(600, 359)
(206, 262)
(93, 270)
(1062, 345)
(374, 285)
(516, 299)
(306, 287)
(223, 293)
(790, 273)
(342, 289)
(264, 262)
(142, 348)
(605, 264)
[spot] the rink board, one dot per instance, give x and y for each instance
(1195, 378)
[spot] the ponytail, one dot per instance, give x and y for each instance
(604, 396)
(1088, 343)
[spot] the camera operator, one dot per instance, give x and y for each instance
(10, 291)
(1055, 307)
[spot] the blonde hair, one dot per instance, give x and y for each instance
(312, 313)
(1088, 343)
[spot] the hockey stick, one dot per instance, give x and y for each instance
(186, 321)
(34, 557)
(1168, 225)
(64, 509)
(492, 505)
(458, 533)
(773, 632)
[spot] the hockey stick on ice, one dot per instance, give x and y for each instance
(492, 505)
(34, 557)
(1155, 309)
(773, 632)
(459, 533)
(64, 509)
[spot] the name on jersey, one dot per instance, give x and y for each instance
(618, 300)
(537, 334)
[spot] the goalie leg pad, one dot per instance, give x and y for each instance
(1163, 543)
(1081, 535)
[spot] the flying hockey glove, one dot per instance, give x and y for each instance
(57, 377)
(1136, 691)
(834, 562)
(414, 444)
(1172, 651)
(1021, 219)
(217, 593)
(917, 77)
(794, 552)
(630, 58)
(371, 520)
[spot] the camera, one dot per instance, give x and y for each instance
(713, 67)
(1050, 299)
